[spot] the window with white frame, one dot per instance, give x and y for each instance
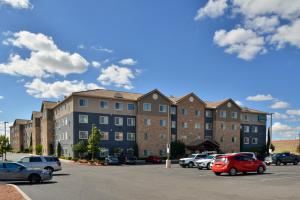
(162, 122)
(173, 124)
(130, 136)
(83, 102)
(234, 127)
(173, 110)
(197, 125)
(104, 152)
(197, 113)
(234, 115)
(119, 106)
(66, 135)
(184, 125)
(147, 153)
(254, 140)
(246, 117)
(254, 129)
(223, 114)
(104, 104)
(162, 152)
(103, 119)
(83, 119)
(104, 136)
(208, 113)
(184, 111)
(208, 126)
(246, 140)
(246, 129)
(223, 126)
(130, 121)
(130, 106)
(233, 139)
(147, 122)
(163, 108)
(83, 135)
(147, 106)
(119, 121)
(118, 136)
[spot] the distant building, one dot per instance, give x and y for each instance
(286, 146)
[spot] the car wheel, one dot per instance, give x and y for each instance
(191, 164)
(34, 179)
(268, 164)
(49, 169)
(295, 162)
(200, 168)
(284, 163)
(208, 166)
(232, 172)
(183, 166)
(218, 173)
(278, 162)
(260, 170)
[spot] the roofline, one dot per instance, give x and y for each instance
(191, 93)
(156, 90)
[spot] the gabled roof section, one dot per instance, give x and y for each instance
(20, 122)
(109, 94)
(178, 100)
(48, 105)
(249, 110)
(217, 104)
(155, 91)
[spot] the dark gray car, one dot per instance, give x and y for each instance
(10, 171)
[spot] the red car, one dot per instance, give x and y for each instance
(153, 160)
(235, 163)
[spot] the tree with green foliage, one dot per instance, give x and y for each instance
(94, 141)
(177, 149)
(58, 149)
(4, 145)
(39, 149)
(80, 148)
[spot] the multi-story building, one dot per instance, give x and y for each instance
(36, 129)
(17, 131)
(27, 133)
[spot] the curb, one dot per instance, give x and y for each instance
(25, 196)
(67, 161)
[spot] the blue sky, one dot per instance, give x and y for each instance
(217, 49)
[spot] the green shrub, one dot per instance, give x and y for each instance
(39, 149)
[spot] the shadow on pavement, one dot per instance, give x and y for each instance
(248, 174)
(27, 183)
(61, 174)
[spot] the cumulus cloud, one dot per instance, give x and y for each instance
(239, 103)
(245, 43)
(96, 64)
(260, 97)
(117, 76)
(293, 112)
(280, 116)
(280, 105)
(213, 9)
(263, 24)
(128, 61)
(40, 89)
(18, 4)
(284, 130)
(1, 97)
(45, 57)
(100, 48)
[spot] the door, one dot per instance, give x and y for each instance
(250, 164)
(13, 172)
(240, 163)
(36, 162)
(2, 174)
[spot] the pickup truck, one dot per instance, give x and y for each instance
(190, 161)
(282, 158)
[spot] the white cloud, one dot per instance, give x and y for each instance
(117, 76)
(21, 80)
(102, 49)
(263, 24)
(239, 103)
(45, 57)
(293, 112)
(280, 116)
(286, 131)
(245, 43)
(1, 111)
(260, 97)
(19, 4)
(39, 89)
(1, 97)
(280, 105)
(80, 46)
(128, 61)
(96, 64)
(213, 9)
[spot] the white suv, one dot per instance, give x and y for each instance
(191, 160)
(206, 162)
(50, 163)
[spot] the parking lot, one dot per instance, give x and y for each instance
(156, 182)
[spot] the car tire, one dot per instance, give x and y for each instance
(260, 170)
(49, 169)
(34, 179)
(278, 163)
(191, 164)
(217, 173)
(232, 172)
(183, 166)
(295, 162)
(268, 164)
(200, 168)
(208, 167)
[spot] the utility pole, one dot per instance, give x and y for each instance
(271, 130)
(5, 139)
(168, 161)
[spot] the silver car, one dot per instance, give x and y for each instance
(49, 163)
(10, 171)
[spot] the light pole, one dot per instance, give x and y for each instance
(5, 139)
(168, 161)
(271, 131)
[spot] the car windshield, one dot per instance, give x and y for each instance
(209, 157)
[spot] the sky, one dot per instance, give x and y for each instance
(247, 50)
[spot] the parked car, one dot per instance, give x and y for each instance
(127, 159)
(111, 160)
(50, 163)
(154, 160)
(206, 162)
(190, 161)
(235, 163)
(250, 154)
(10, 171)
(282, 158)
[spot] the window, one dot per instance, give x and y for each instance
(246, 129)
(208, 126)
(83, 119)
(103, 119)
(118, 136)
(234, 127)
(184, 125)
(147, 122)
(162, 122)
(162, 136)
(162, 152)
(146, 136)
(130, 106)
(208, 113)
(147, 153)
(173, 137)
(246, 140)
(83, 102)
(254, 129)
(130, 121)
(173, 110)
(119, 121)
(25, 160)
(104, 104)
(184, 111)
(118, 106)
(147, 106)
(223, 114)
(222, 139)
(234, 115)
(246, 118)
(197, 113)
(197, 125)
(13, 165)
(254, 140)
(130, 136)
(104, 136)
(84, 135)
(104, 152)
(223, 126)
(233, 139)
(163, 108)
(173, 124)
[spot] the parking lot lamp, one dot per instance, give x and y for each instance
(5, 138)
(168, 161)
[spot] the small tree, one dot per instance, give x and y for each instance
(177, 149)
(39, 149)
(58, 149)
(94, 141)
(4, 146)
(80, 148)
